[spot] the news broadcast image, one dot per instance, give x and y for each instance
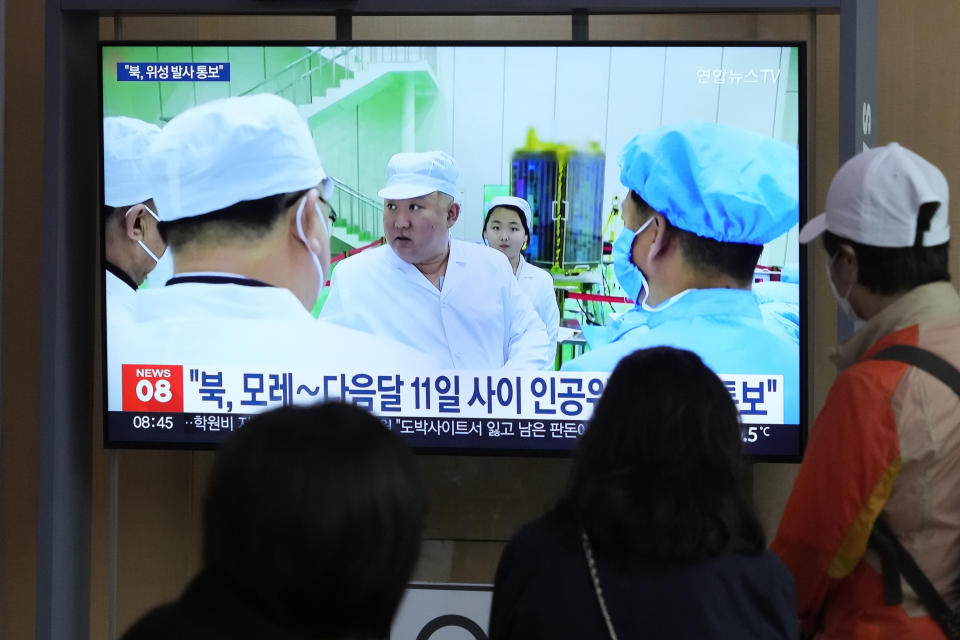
(545, 124)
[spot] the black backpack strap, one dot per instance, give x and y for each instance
(885, 544)
(883, 540)
(922, 359)
(894, 559)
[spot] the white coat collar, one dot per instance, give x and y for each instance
(118, 292)
(455, 264)
(219, 300)
(523, 269)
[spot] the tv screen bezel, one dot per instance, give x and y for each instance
(803, 144)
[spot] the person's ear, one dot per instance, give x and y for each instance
(847, 266)
(660, 236)
(314, 232)
(453, 213)
(133, 221)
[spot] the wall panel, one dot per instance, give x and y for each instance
(919, 89)
(462, 27)
(21, 339)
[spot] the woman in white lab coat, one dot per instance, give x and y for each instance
(506, 228)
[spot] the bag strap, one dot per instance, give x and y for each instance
(906, 566)
(588, 552)
(922, 359)
(894, 558)
(885, 545)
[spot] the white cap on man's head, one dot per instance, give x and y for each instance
(227, 151)
(875, 200)
(126, 177)
(411, 175)
(511, 201)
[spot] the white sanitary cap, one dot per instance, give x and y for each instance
(511, 201)
(126, 175)
(875, 200)
(231, 150)
(411, 175)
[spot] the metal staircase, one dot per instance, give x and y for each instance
(359, 217)
(341, 76)
(368, 70)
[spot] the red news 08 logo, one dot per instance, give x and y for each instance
(152, 387)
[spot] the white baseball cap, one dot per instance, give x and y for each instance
(126, 176)
(511, 201)
(227, 151)
(875, 200)
(411, 175)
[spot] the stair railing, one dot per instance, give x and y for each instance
(357, 213)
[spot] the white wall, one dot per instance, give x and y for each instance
(478, 108)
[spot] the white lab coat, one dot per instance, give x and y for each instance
(121, 300)
(538, 285)
(230, 325)
(480, 319)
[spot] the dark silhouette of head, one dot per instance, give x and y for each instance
(659, 470)
(315, 515)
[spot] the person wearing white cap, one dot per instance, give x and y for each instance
(506, 228)
(132, 242)
(886, 445)
(704, 199)
(455, 300)
(244, 205)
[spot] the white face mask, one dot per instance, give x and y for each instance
(627, 273)
(303, 238)
(141, 242)
(162, 272)
(665, 304)
(843, 301)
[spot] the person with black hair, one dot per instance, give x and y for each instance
(886, 445)
(244, 206)
(132, 244)
(703, 201)
(312, 525)
(457, 301)
(654, 536)
(506, 228)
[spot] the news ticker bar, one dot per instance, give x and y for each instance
(436, 432)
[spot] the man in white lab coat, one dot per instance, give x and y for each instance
(131, 240)
(454, 300)
(244, 202)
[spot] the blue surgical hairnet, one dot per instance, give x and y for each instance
(716, 181)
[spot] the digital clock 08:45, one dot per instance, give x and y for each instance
(152, 422)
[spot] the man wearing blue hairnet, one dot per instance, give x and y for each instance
(707, 197)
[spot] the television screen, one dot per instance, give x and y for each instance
(503, 341)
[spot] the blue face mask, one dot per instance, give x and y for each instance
(631, 279)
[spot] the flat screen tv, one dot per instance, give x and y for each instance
(544, 122)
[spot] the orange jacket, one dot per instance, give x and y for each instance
(887, 439)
